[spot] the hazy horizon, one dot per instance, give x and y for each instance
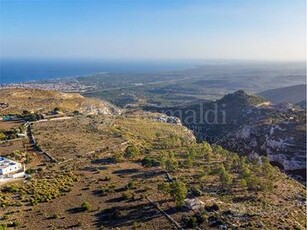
(154, 30)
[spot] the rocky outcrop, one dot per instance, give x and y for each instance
(250, 126)
(282, 143)
(97, 107)
(168, 119)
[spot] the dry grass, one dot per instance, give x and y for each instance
(9, 124)
(42, 101)
(104, 185)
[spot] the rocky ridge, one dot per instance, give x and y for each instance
(251, 126)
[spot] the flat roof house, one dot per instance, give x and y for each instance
(8, 166)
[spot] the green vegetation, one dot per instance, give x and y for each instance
(170, 163)
(42, 190)
(117, 157)
(147, 154)
(131, 152)
(127, 195)
(86, 206)
(178, 191)
(193, 221)
(150, 162)
(225, 178)
(2, 136)
(107, 189)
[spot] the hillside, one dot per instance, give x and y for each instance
(292, 94)
(250, 126)
(302, 104)
(37, 100)
(136, 171)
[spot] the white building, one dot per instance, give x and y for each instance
(8, 166)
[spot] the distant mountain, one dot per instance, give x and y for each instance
(291, 94)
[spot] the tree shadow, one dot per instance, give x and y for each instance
(122, 189)
(103, 161)
(147, 175)
(115, 200)
(171, 210)
(89, 169)
(102, 167)
(98, 192)
(119, 216)
(125, 171)
(75, 210)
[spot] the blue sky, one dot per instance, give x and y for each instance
(153, 29)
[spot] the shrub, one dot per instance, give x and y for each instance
(109, 188)
(5, 216)
(55, 216)
(193, 221)
(106, 178)
(28, 159)
(2, 136)
(149, 162)
(79, 223)
(131, 185)
(189, 161)
(164, 188)
(171, 164)
(266, 167)
(243, 183)
(86, 206)
(10, 188)
(131, 152)
(253, 183)
(136, 225)
(30, 171)
(127, 195)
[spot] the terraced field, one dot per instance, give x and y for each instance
(97, 183)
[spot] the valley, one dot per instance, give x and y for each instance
(131, 169)
(175, 88)
(153, 115)
(251, 126)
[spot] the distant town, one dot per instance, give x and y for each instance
(71, 85)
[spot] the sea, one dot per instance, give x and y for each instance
(20, 70)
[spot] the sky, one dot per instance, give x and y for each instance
(153, 29)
